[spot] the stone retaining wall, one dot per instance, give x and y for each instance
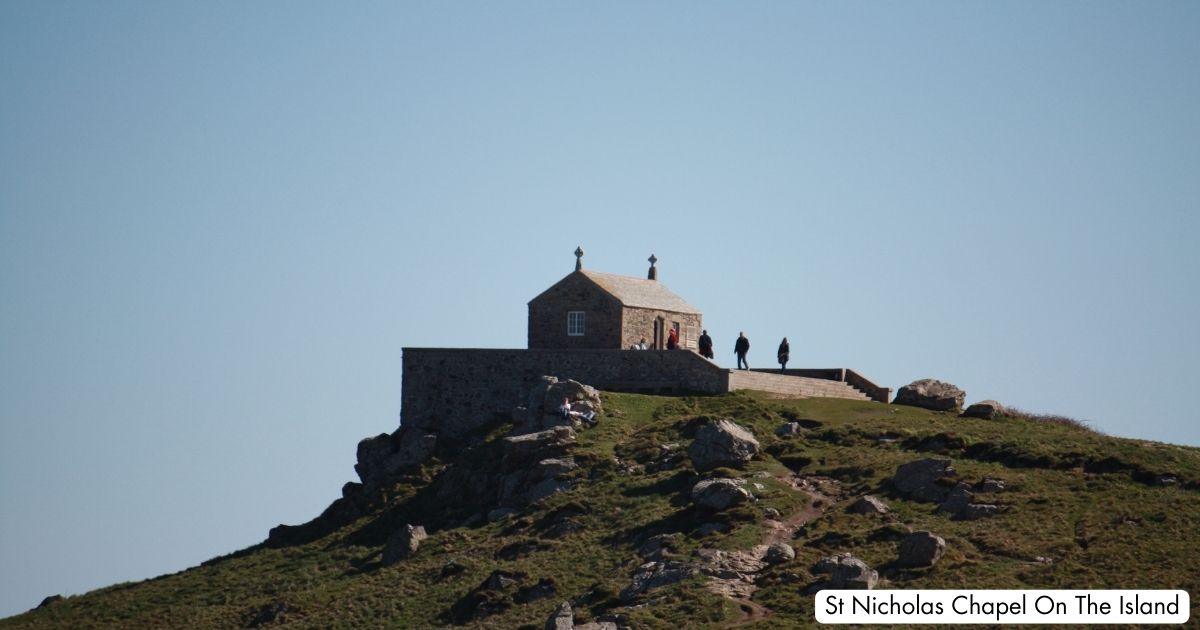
(453, 391)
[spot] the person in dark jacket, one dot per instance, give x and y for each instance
(782, 354)
(740, 348)
(705, 345)
(673, 340)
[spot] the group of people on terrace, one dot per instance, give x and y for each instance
(740, 348)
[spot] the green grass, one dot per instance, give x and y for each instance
(1084, 510)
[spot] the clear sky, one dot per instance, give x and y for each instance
(220, 222)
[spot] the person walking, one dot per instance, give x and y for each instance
(673, 340)
(705, 345)
(782, 354)
(740, 348)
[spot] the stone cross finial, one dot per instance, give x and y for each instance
(653, 275)
(578, 258)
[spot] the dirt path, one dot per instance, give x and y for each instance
(782, 531)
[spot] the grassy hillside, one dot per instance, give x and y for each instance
(1080, 510)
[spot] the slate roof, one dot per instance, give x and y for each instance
(640, 292)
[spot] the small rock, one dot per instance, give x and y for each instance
(719, 494)
(788, 429)
(921, 549)
(563, 618)
(975, 511)
(50, 600)
(556, 466)
(779, 552)
(711, 528)
(658, 546)
(500, 580)
(868, 504)
(270, 614)
(990, 485)
(543, 589)
(932, 394)
(598, 625)
(771, 513)
(722, 443)
(957, 500)
(403, 543)
(986, 409)
(451, 569)
(500, 513)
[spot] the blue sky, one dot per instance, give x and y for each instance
(221, 222)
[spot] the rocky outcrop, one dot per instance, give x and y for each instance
(545, 398)
(932, 394)
(521, 451)
(847, 572)
(403, 543)
(382, 457)
(921, 549)
(657, 574)
(986, 409)
(563, 618)
(868, 504)
(719, 494)
(533, 466)
(722, 443)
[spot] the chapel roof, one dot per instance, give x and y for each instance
(639, 292)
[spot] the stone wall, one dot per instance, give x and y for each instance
(453, 391)
(548, 316)
(639, 322)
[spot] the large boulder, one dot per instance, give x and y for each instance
(847, 572)
(573, 391)
(403, 543)
(722, 443)
(921, 549)
(779, 552)
(932, 394)
(986, 409)
(921, 479)
(718, 494)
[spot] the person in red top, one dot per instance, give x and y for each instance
(672, 340)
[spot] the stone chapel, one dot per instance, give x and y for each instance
(604, 311)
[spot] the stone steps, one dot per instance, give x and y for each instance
(799, 386)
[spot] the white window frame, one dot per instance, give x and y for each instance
(576, 323)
